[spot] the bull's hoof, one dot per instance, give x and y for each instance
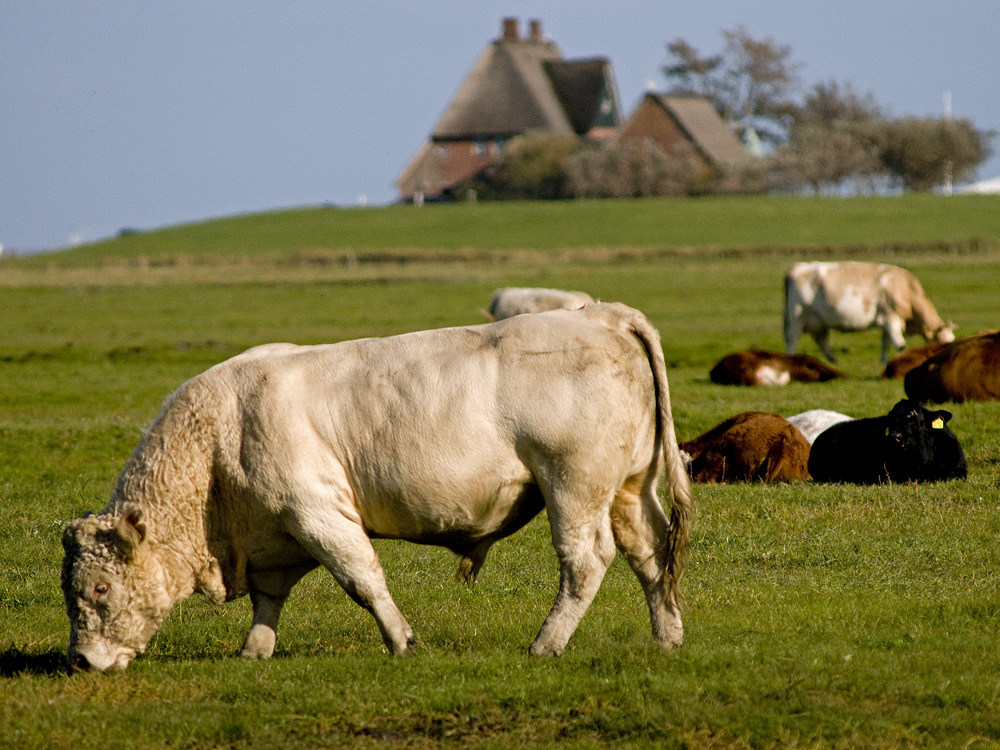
(253, 655)
(542, 649)
(405, 650)
(259, 644)
(669, 644)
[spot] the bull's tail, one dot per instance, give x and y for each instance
(678, 483)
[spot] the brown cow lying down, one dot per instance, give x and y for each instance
(968, 370)
(759, 367)
(909, 358)
(751, 446)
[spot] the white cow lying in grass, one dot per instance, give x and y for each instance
(814, 421)
(286, 457)
(511, 301)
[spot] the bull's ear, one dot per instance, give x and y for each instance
(70, 534)
(131, 531)
(73, 533)
(943, 415)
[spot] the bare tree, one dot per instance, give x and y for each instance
(833, 139)
(751, 83)
(632, 169)
(831, 103)
(694, 75)
(761, 81)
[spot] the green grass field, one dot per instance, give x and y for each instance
(818, 616)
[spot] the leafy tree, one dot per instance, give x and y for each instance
(531, 166)
(922, 152)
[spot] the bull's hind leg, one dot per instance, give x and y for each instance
(344, 548)
(640, 528)
(581, 534)
(268, 592)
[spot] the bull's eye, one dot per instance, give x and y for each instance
(101, 589)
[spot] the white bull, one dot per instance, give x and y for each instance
(285, 457)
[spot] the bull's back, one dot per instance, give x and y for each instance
(445, 429)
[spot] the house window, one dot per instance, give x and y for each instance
(479, 149)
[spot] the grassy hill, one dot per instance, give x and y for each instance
(742, 223)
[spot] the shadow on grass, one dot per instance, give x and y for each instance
(15, 662)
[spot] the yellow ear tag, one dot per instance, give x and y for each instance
(938, 424)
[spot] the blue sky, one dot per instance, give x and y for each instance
(119, 114)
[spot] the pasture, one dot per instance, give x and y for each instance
(818, 616)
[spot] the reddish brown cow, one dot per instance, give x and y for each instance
(968, 370)
(751, 446)
(759, 367)
(907, 359)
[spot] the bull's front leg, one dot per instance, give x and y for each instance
(345, 549)
(268, 592)
(263, 635)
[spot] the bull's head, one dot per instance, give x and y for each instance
(115, 589)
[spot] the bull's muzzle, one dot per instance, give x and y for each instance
(99, 660)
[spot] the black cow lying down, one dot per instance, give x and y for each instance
(909, 444)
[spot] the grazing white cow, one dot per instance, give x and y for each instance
(852, 296)
(511, 301)
(286, 457)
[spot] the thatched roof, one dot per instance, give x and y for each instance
(705, 129)
(506, 93)
(517, 85)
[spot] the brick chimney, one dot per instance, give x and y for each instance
(510, 31)
(535, 34)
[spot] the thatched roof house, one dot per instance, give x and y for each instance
(673, 120)
(518, 85)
